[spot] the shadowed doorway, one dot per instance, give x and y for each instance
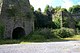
(18, 33)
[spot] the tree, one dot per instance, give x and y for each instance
(49, 10)
(39, 10)
(32, 8)
(58, 8)
(64, 10)
(46, 9)
(40, 20)
(79, 25)
(74, 9)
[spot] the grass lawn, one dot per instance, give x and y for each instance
(76, 37)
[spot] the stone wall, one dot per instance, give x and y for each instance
(76, 16)
(16, 13)
(68, 16)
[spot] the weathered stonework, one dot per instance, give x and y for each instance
(70, 18)
(16, 14)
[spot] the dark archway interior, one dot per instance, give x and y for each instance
(18, 33)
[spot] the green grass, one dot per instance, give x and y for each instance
(76, 37)
(13, 42)
(9, 41)
(25, 41)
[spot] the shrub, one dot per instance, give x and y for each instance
(41, 35)
(57, 23)
(77, 31)
(47, 33)
(37, 38)
(1, 30)
(64, 32)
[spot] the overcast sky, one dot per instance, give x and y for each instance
(63, 3)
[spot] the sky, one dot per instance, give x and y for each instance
(63, 3)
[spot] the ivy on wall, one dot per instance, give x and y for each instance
(11, 11)
(28, 15)
(2, 29)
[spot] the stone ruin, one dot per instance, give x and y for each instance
(70, 18)
(17, 18)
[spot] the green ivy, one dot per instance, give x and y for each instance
(11, 11)
(2, 28)
(29, 15)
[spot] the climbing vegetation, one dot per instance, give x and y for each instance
(2, 28)
(11, 11)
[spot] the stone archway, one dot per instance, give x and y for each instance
(9, 9)
(18, 33)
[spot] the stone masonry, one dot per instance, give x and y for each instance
(16, 14)
(70, 18)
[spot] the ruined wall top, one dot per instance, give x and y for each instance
(21, 7)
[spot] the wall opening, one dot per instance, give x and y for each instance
(18, 33)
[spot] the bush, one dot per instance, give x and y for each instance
(49, 34)
(37, 38)
(64, 32)
(1, 30)
(41, 35)
(77, 31)
(46, 33)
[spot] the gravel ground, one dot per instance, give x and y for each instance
(46, 47)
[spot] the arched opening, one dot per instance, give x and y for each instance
(18, 33)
